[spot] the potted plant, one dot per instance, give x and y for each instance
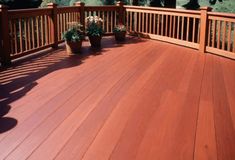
(94, 30)
(120, 32)
(73, 38)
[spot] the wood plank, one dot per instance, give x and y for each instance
(205, 146)
(225, 133)
(172, 119)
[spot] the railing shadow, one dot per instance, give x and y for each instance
(22, 76)
(6, 123)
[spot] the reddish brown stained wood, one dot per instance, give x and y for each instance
(126, 101)
(224, 127)
(205, 145)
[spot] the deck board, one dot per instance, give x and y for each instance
(143, 99)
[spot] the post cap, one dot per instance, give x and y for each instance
(120, 3)
(52, 4)
(79, 3)
(206, 8)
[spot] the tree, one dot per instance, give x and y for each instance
(212, 2)
(193, 4)
(108, 2)
(156, 3)
(18, 4)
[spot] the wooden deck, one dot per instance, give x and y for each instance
(144, 100)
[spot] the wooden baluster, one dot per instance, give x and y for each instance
(139, 25)
(11, 37)
(25, 37)
(234, 37)
(198, 34)
(136, 20)
(131, 22)
(187, 34)
(214, 33)
(218, 36)
(194, 26)
(229, 36)
(42, 31)
(47, 29)
(15, 36)
(154, 23)
(21, 35)
(182, 28)
(158, 24)
(103, 26)
(209, 33)
(162, 25)
(64, 23)
(224, 35)
(61, 26)
(115, 18)
(33, 32)
(147, 23)
(127, 21)
(29, 32)
(170, 32)
(166, 29)
(107, 24)
(67, 25)
(112, 25)
(178, 26)
(174, 27)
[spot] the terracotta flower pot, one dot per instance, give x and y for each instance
(120, 36)
(95, 41)
(73, 47)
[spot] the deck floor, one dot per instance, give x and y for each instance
(143, 100)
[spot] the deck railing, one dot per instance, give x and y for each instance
(26, 31)
(176, 26)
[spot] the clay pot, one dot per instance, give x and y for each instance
(73, 47)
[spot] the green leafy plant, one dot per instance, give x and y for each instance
(94, 26)
(74, 33)
(119, 28)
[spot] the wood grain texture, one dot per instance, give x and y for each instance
(141, 99)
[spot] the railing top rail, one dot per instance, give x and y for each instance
(68, 9)
(218, 14)
(28, 10)
(22, 13)
(162, 9)
(101, 8)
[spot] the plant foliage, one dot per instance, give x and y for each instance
(74, 34)
(94, 26)
(119, 28)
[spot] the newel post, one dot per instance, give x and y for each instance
(54, 24)
(5, 40)
(81, 6)
(204, 28)
(120, 12)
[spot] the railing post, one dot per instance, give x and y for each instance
(54, 24)
(120, 12)
(5, 41)
(204, 28)
(81, 5)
